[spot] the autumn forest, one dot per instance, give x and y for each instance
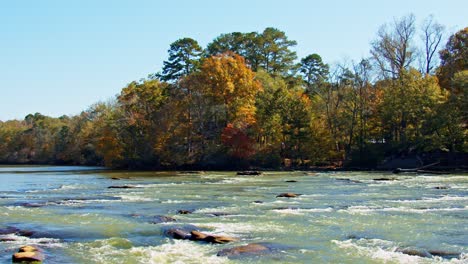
(247, 100)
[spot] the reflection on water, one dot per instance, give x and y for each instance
(346, 217)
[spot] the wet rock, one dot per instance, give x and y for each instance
(290, 181)
(445, 254)
(218, 214)
(184, 212)
(31, 205)
(25, 233)
(288, 195)
(441, 187)
(348, 180)
(252, 173)
(199, 236)
(412, 251)
(121, 187)
(8, 230)
(258, 202)
(115, 178)
(384, 179)
(177, 233)
(7, 239)
(16, 231)
(286, 208)
(250, 249)
(162, 219)
(28, 254)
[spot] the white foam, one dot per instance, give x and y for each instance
(300, 211)
(21, 240)
(134, 198)
(177, 251)
(174, 201)
(374, 209)
(377, 249)
(434, 200)
(234, 229)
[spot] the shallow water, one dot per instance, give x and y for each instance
(345, 217)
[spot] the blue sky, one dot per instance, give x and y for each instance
(59, 57)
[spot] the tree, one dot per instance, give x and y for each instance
(229, 82)
(393, 50)
(432, 35)
(276, 56)
(454, 58)
(314, 70)
(184, 55)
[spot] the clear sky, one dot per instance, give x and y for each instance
(59, 57)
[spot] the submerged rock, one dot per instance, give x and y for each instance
(258, 202)
(13, 230)
(250, 249)
(249, 173)
(384, 179)
(184, 212)
(445, 254)
(121, 187)
(291, 181)
(412, 251)
(348, 180)
(28, 254)
(288, 195)
(441, 187)
(218, 214)
(162, 219)
(8, 230)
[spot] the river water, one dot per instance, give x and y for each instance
(342, 217)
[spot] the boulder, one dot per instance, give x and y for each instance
(250, 249)
(258, 202)
(199, 236)
(184, 212)
(290, 181)
(177, 233)
(441, 188)
(28, 254)
(288, 195)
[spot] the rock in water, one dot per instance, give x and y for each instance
(121, 187)
(184, 212)
(249, 249)
(415, 252)
(28, 254)
(199, 236)
(249, 173)
(288, 195)
(158, 219)
(178, 233)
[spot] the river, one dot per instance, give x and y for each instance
(340, 217)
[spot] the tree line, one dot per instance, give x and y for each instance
(247, 100)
